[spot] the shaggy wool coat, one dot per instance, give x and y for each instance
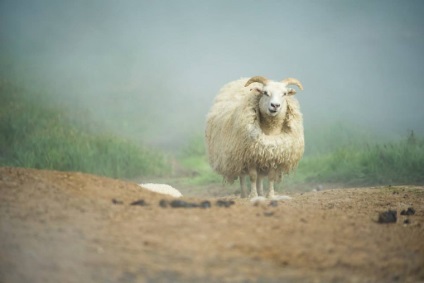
(235, 140)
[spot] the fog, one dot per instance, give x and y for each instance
(150, 69)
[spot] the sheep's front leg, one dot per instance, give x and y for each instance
(259, 185)
(253, 175)
(271, 177)
(243, 186)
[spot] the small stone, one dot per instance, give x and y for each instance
(183, 204)
(273, 203)
(116, 201)
(409, 211)
(205, 204)
(163, 203)
(224, 203)
(268, 213)
(140, 202)
(389, 216)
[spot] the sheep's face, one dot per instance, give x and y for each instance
(273, 100)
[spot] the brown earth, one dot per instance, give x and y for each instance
(65, 227)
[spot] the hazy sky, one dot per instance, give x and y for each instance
(161, 63)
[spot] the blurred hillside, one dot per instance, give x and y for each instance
(37, 133)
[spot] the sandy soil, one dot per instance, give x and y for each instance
(73, 227)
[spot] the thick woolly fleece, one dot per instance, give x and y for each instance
(235, 140)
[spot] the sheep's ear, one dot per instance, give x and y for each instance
(291, 91)
(257, 90)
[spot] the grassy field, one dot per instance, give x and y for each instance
(393, 163)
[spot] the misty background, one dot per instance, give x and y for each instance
(149, 70)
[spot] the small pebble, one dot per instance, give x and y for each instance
(224, 203)
(182, 203)
(409, 211)
(268, 213)
(163, 203)
(273, 203)
(389, 216)
(140, 202)
(205, 204)
(116, 201)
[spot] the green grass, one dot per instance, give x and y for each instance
(392, 163)
(35, 133)
(193, 157)
(349, 161)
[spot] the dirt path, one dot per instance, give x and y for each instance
(64, 227)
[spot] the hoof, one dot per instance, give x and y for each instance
(256, 200)
(270, 195)
(253, 195)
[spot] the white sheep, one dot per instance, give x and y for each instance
(255, 128)
(162, 189)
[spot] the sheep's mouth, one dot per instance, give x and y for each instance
(272, 111)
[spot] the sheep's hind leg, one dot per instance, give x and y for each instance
(259, 185)
(243, 193)
(253, 174)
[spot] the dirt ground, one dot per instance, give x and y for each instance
(74, 227)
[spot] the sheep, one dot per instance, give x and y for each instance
(162, 189)
(255, 128)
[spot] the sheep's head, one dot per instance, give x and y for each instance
(273, 94)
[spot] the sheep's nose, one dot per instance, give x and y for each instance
(275, 105)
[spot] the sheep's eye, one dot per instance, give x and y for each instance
(284, 93)
(265, 92)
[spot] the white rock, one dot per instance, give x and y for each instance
(281, 198)
(162, 189)
(261, 199)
